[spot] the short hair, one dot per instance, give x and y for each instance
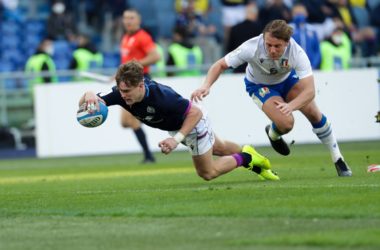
(279, 29)
(131, 73)
(133, 11)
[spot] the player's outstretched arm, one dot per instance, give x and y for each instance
(212, 75)
(191, 120)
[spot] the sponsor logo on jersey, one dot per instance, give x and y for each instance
(148, 118)
(150, 109)
(285, 63)
(273, 71)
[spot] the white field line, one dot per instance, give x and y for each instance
(97, 175)
(202, 188)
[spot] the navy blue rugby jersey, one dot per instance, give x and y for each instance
(161, 107)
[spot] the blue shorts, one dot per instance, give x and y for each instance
(262, 92)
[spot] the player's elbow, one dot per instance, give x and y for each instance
(221, 64)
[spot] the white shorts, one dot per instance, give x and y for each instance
(201, 138)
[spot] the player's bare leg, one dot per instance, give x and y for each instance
(208, 168)
(129, 121)
(224, 147)
(231, 158)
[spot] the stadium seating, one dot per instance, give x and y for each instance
(9, 28)
(6, 66)
(10, 42)
(35, 27)
(111, 60)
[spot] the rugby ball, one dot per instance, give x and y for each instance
(92, 120)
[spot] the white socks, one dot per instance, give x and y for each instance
(326, 136)
(273, 134)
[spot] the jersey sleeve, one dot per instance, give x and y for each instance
(147, 43)
(112, 97)
(241, 54)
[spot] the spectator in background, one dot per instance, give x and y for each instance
(183, 54)
(318, 10)
(42, 61)
(275, 9)
(244, 31)
(60, 24)
(201, 7)
(112, 28)
(86, 56)
(375, 21)
(336, 51)
(305, 35)
(138, 45)
(233, 12)
(9, 11)
(363, 38)
(203, 32)
(159, 68)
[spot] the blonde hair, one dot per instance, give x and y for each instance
(279, 29)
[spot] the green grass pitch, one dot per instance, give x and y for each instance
(112, 202)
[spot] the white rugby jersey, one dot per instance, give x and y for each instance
(263, 70)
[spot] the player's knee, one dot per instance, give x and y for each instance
(285, 126)
(132, 125)
(288, 127)
(207, 175)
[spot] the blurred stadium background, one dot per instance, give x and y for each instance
(114, 202)
(25, 23)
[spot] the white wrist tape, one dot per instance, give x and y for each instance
(179, 137)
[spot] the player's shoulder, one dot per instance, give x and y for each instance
(143, 34)
(254, 41)
(156, 86)
(160, 90)
(251, 45)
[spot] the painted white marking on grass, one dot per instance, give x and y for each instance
(97, 175)
(219, 188)
(365, 185)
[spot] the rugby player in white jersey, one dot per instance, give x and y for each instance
(280, 80)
